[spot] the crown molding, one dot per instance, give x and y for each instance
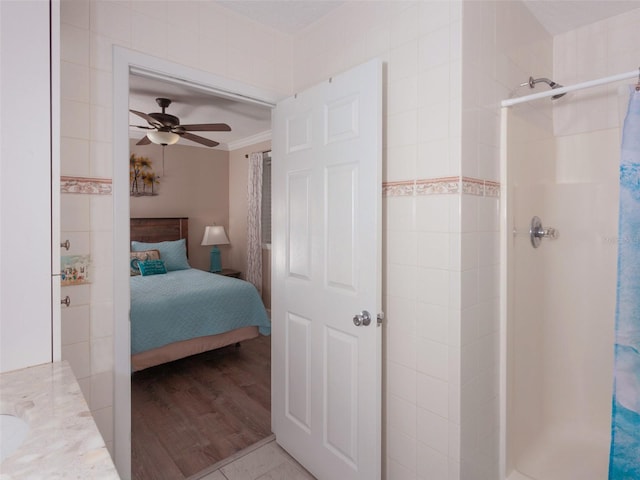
(248, 141)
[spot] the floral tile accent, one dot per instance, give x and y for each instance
(85, 185)
(442, 186)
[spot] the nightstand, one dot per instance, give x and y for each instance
(230, 272)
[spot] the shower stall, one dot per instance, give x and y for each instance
(558, 285)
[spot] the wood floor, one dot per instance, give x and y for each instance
(189, 414)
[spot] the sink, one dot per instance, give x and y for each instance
(13, 431)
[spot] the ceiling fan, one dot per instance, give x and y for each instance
(166, 128)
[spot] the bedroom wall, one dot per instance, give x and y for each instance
(203, 36)
(195, 184)
(238, 175)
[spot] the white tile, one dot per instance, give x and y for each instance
(402, 448)
(401, 381)
(403, 61)
(433, 286)
(400, 315)
(79, 358)
(75, 213)
(434, 85)
(432, 465)
(489, 283)
(75, 119)
(400, 164)
(74, 81)
(433, 394)
(433, 122)
(78, 241)
(74, 44)
(402, 128)
(401, 415)
(75, 324)
(217, 475)
(402, 247)
(101, 159)
(101, 320)
(101, 123)
(432, 358)
(402, 94)
(469, 251)
(101, 284)
(401, 281)
(433, 431)
(401, 347)
(404, 26)
(397, 471)
(101, 355)
(149, 35)
(433, 49)
(111, 19)
(74, 157)
(434, 16)
(433, 250)
(101, 88)
(101, 213)
(153, 8)
(101, 390)
(434, 159)
(286, 471)
(400, 213)
(75, 12)
(433, 213)
(101, 52)
(104, 421)
(254, 464)
(183, 47)
(432, 322)
(102, 249)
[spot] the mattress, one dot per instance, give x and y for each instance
(185, 304)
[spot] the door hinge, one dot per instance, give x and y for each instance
(380, 318)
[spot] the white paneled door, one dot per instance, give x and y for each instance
(326, 270)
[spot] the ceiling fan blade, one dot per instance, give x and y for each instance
(148, 118)
(207, 127)
(199, 139)
(143, 126)
(144, 141)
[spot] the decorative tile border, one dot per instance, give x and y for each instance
(442, 186)
(85, 185)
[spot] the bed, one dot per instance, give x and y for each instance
(185, 311)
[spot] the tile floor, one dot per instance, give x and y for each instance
(267, 462)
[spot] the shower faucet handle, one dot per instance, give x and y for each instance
(537, 232)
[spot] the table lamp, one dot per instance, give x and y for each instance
(215, 235)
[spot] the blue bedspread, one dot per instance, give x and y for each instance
(191, 303)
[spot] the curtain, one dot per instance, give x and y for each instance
(254, 222)
(624, 458)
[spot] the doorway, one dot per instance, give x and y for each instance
(125, 63)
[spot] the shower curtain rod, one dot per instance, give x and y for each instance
(571, 88)
(263, 152)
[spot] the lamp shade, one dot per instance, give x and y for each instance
(214, 235)
(163, 138)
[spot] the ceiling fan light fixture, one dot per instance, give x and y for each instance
(163, 138)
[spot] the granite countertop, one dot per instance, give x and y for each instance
(63, 441)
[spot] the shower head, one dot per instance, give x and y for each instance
(532, 83)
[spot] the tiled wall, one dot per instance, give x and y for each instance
(196, 34)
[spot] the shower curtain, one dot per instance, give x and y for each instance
(624, 459)
(254, 221)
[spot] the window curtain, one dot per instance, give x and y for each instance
(624, 461)
(254, 221)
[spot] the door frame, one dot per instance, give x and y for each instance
(125, 62)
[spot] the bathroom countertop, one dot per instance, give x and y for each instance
(63, 441)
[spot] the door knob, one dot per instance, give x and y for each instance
(363, 318)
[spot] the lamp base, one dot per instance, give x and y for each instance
(215, 263)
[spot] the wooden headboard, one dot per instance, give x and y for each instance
(153, 230)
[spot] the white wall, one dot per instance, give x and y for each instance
(25, 186)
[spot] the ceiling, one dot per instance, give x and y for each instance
(251, 123)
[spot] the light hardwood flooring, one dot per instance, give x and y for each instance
(191, 414)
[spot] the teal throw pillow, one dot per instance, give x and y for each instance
(174, 253)
(151, 267)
